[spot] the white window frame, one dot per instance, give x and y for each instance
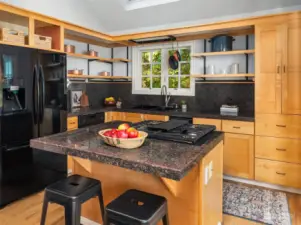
(137, 70)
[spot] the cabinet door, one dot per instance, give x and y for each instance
(291, 68)
(268, 65)
(72, 123)
(239, 155)
(133, 117)
(155, 117)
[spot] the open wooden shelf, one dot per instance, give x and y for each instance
(238, 52)
(221, 75)
(98, 77)
(30, 46)
(83, 56)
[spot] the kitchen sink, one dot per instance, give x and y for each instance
(153, 108)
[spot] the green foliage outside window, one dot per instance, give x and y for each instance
(152, 67)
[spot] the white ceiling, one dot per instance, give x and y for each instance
(110, 16)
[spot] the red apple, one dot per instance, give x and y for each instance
(113, 131)
(114, 135)
(123, 126)
(132, 132)
(122, 134)
(107, 133)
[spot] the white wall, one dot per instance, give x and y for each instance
(74, 11)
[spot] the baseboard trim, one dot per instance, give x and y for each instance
(262, 184)
(85, 221)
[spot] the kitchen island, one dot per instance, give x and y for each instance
(189, 176)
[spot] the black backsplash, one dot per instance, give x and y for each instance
(208, 97)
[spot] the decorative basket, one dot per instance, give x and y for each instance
(42, 41)
(13, 36)
(126, 143)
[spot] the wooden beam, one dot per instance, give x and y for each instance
(31, 31)
(190, 37)
(205, 27)
(88, 40)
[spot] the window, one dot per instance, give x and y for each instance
(151, 70)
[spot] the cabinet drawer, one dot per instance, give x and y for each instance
(286, 174)
(72, 123)
(238, 127)
(217, 123)
(280, 149)
(155, 117)
(287, 126)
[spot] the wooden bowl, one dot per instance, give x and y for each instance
(126, 143)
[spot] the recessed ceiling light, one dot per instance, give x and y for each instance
(138, 4)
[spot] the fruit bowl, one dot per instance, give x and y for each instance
(126, 143)
(110, 103)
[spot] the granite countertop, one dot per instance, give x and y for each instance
(242, 116)
(162, 158)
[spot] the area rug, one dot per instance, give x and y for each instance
(255, 203)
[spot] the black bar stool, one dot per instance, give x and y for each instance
(136, 208)
(71, 193)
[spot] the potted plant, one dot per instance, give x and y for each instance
(184, 105)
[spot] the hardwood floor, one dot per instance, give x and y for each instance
(28, 212)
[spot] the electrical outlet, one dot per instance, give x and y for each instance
(210, 169)
(219, 223)
(206, 175)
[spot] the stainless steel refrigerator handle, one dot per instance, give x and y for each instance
(42, 82)
(34, 97)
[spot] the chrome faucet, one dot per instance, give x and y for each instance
(167, 96)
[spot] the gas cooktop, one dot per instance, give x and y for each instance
(174, 130)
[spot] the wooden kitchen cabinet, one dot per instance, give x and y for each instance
(278, 68)
(281, 173)
(217, 123)
(291, 68)
(238, 127)
(268, 69)
(279, 149)
(133, 117)
(239, 155)
(72, 123)
(286, 126)
(155, 117)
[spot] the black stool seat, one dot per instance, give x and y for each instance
(137, 207)
(74, 187)
(71, 192)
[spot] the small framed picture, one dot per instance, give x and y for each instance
(75, 98)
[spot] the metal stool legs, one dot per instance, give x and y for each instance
(72, 213)
(44, 210)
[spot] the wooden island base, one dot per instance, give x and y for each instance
(188, 199)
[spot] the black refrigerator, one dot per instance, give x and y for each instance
(33, 103)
